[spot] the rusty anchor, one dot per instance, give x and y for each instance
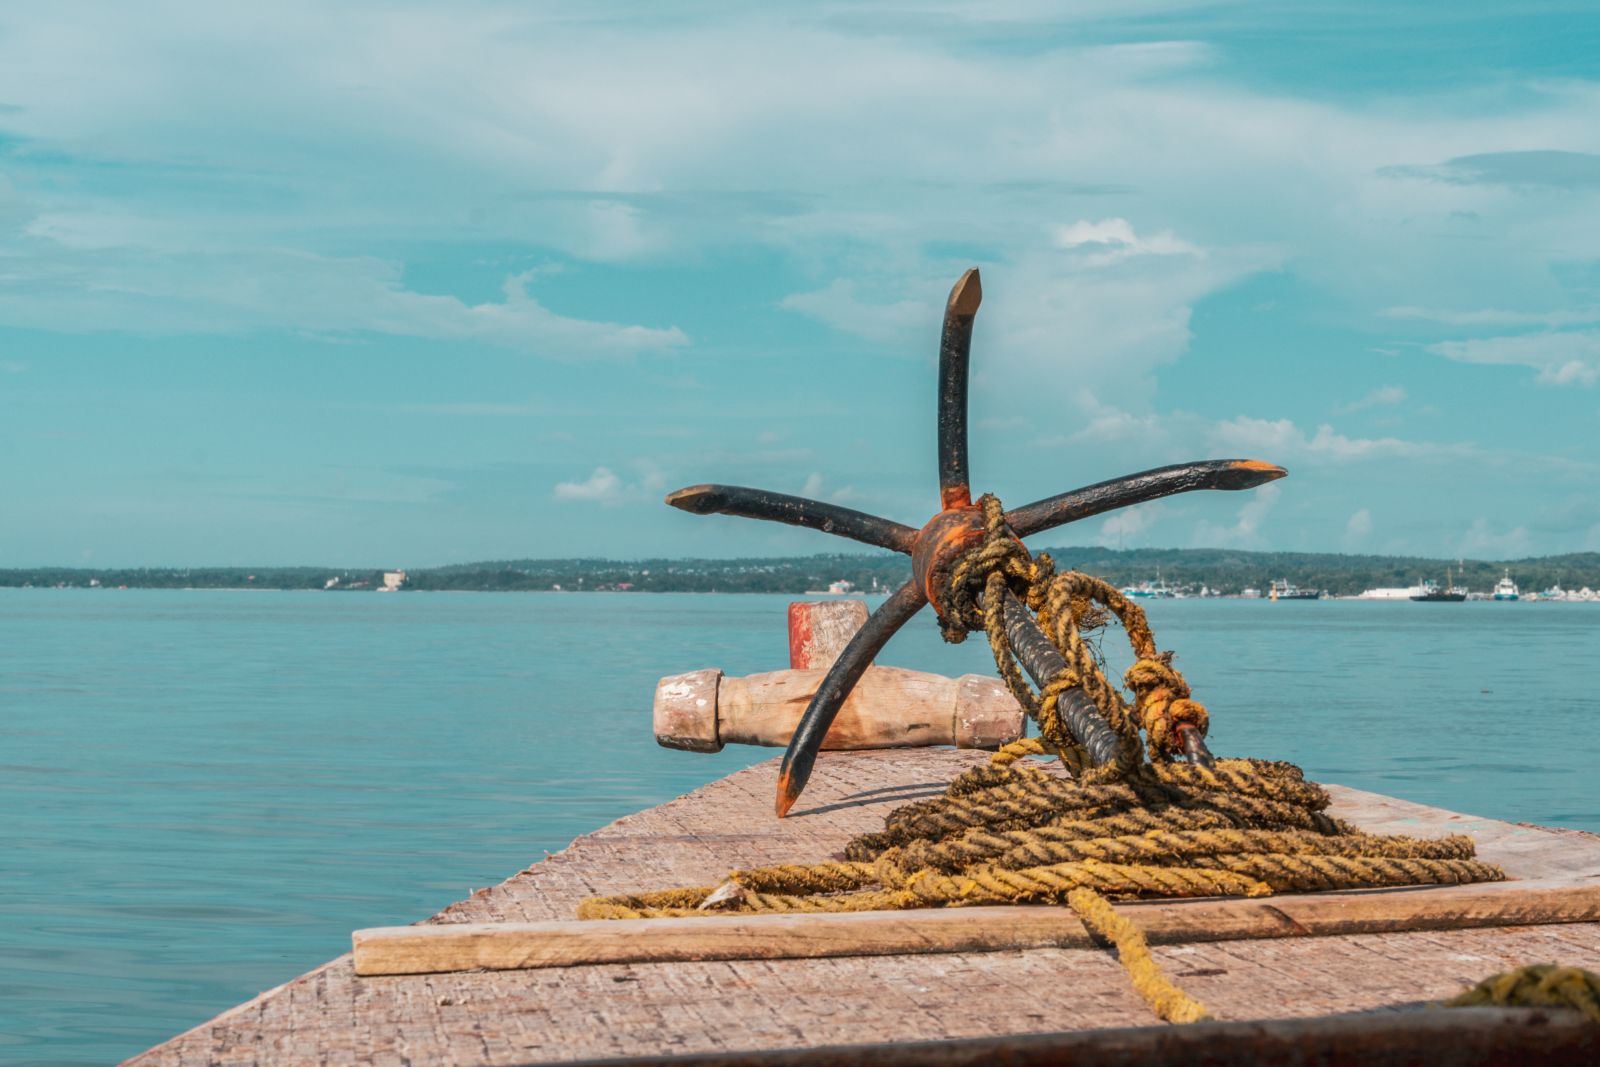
(940, 543)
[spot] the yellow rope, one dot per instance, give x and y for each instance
(1539, 986)
(1144, 826)
(1165, 999)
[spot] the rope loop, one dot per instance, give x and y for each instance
(999, 555)
(1070, 606)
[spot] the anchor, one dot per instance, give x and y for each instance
(945, 538)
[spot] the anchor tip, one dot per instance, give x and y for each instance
(1257, 472)
(693, 498)
(788, 793)
(966, 295)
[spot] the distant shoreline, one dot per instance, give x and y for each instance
(1222, 571)
(1532, 598)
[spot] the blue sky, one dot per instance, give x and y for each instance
(394, 284)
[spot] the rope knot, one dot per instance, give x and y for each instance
(998, 557)
(1162, 704)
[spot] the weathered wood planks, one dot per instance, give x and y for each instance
(515, 946)
(741, 1011)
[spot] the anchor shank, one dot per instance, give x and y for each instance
(1041, 660)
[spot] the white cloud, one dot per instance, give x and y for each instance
(1101, 322)
(145, 291)
(686, 135)
(1275, 438)
(1113, 240)
(1483, 541)
(1497, 316)
(1382, 396)
(1246, 529)
(15, 212)
(1121, 526)
(816, 489)
(478, 409)
(894, 324)
(1561, 358)
(601, 487)
(1358, 526)
(605, 486)
(1108, 189)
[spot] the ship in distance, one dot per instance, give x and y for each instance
(1505, 588)
(1432, 594)
(1283, 589)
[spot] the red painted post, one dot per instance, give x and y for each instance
(819, 630)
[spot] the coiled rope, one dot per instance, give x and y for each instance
(1142, 826)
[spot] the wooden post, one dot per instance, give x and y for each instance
(889, 708)
(700, 711)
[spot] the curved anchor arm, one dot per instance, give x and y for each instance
(794, 510)
(836, 685)
(1138, 488)
(955, 348)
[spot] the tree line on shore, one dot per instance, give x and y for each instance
(1222, 570)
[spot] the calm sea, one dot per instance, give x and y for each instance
(203, 793)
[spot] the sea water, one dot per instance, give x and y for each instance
(203, 793)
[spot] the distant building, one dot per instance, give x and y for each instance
(392, 580)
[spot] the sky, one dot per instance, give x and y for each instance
(395, 284)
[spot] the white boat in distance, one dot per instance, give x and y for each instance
(1505, 588)
(1393, 592)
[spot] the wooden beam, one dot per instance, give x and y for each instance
(442, 947)
(1461, 1037)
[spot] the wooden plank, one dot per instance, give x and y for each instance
(448, 947)
(1463, 1037)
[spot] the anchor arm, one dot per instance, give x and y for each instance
(794, 510)
(955, 347)
(1137, 488)
(868, 641)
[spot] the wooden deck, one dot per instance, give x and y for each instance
(647, 1009)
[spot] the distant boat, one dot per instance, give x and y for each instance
(842, 587)
(1393, 592)
(1432, 594)
(1505, 588)
(1282, 589)
(1159, 590)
